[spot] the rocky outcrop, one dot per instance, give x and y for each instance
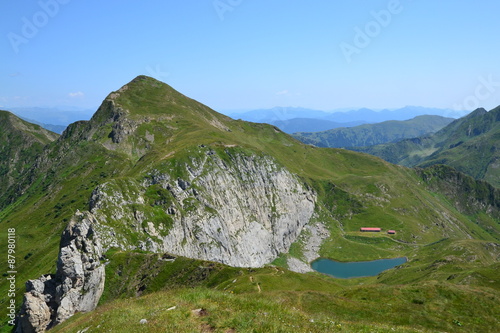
(311, 239)
(258, 211)
(77, 284)
(237, 209)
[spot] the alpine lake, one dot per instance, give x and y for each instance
(347, 270)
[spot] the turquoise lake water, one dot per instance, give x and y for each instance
(346, 270)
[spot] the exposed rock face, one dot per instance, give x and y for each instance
(313, 236)
(77, 284)
(242, 212)
(36, 313)
(260, 210)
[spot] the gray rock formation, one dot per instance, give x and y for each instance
(313, 236)
(241, 210)
(77, 284)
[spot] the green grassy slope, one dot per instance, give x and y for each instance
(147, 125)
(274, 300)
(469, 144)
(373, 134)
(20, 143)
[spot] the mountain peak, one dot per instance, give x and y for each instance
(143, 96)
(145, 78)
(145, 82)
(146, 96)
(144, 113)
(477, 113)
(141, 84)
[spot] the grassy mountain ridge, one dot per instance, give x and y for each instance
(469, 144)
(58, 117)
(147, 126)
(53, 128)
(373, 134)
(20, 143)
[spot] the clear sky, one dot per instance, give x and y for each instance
(249, 54)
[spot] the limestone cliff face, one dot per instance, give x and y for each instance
(243, 210)
(76, 286)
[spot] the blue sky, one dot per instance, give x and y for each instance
(250, 54)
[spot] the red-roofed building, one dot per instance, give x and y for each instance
(370, 229)
(391, 232)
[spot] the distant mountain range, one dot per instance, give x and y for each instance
(278, 113)
(51, 127)
(373, 134)
(288, 119)
(57, 115)
(310, 125)
(470, 144)
(291, 120)
(405, 113)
